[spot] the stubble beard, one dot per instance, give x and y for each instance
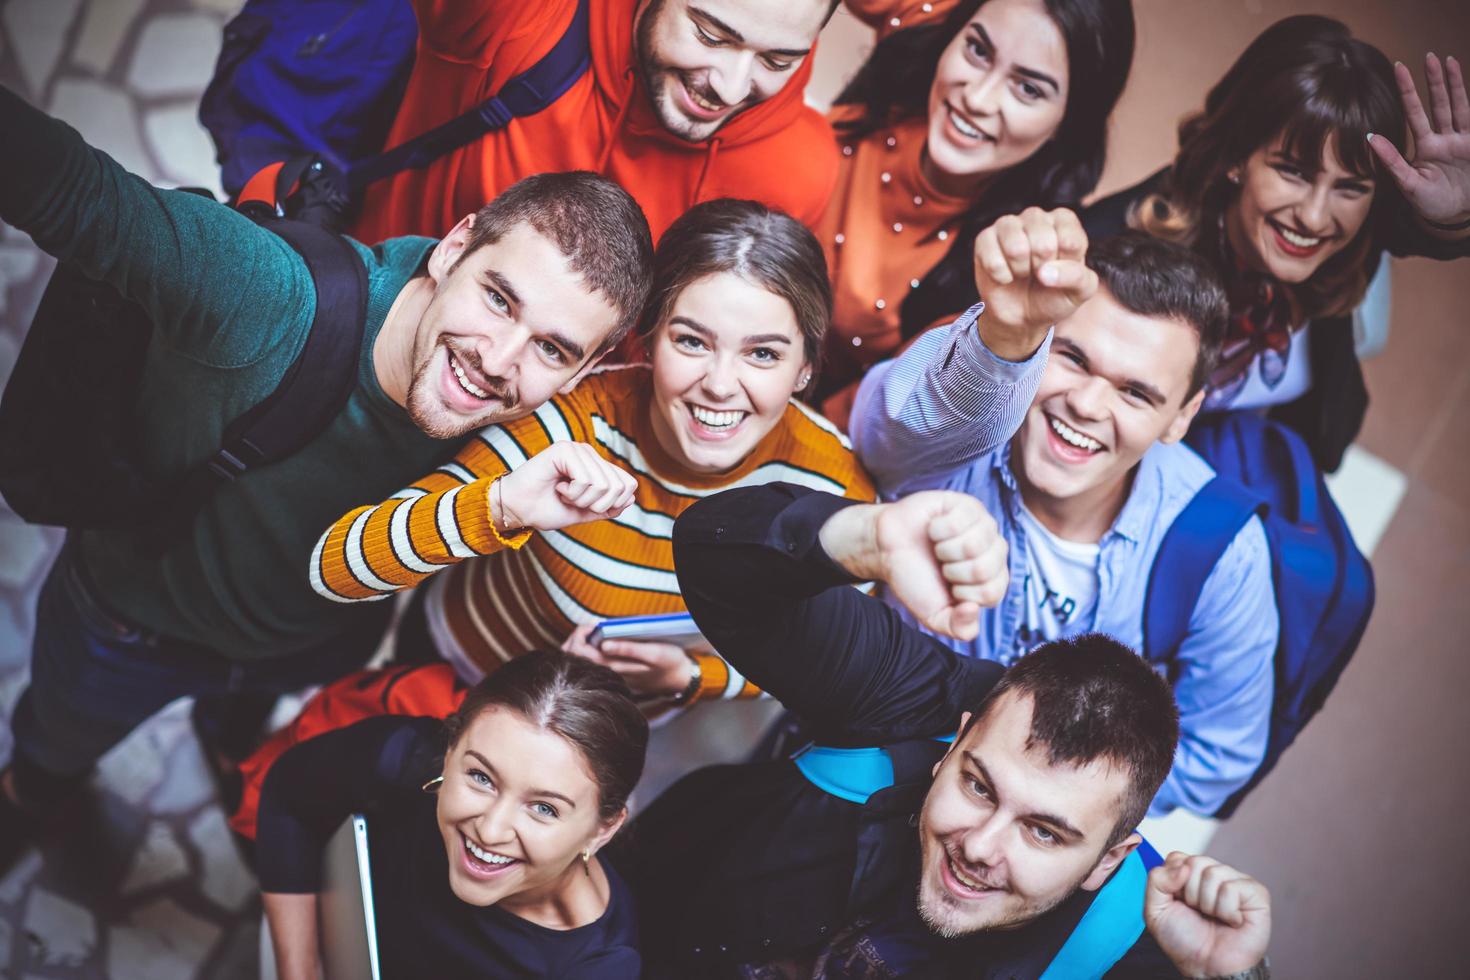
(656, 74)
(437, 421)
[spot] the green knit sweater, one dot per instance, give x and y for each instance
(231, 305)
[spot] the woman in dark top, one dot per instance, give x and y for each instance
(1278, 182)
(483, 829)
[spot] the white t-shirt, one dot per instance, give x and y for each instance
(1061, 585)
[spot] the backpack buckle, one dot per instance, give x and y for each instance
(227, 466)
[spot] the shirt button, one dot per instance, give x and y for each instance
(928, 8)
(847, 151)
(913, 284)
(918, 201)
(944, 236)
(891, 142)
(857, 341)
(880, 304)
(886, 177)
(894, 22)
(897, 227)
(840, 238)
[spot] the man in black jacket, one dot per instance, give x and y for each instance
(1008, 837)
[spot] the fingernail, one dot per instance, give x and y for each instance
(1370, 137)
(1047, 275)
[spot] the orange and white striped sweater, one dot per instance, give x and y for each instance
(516, 599)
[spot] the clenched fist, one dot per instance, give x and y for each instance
(1208, 918)
(939, 552)
(564, 484)
(1030, 271)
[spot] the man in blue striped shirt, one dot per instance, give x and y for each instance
(1070, 436)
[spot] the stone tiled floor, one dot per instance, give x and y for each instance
(157, 890)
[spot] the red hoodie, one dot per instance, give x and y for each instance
(779, 152)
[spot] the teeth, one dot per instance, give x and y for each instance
(1072, 437)
(484, 855)
(1300, 241)
(963, 126)
(716, 420)
(702, 102)
(965, 879)
(466, 383)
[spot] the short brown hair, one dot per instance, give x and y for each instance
(764, 246)
(585, 703)
(595, 223)
(1154, 277)
(1093, 698)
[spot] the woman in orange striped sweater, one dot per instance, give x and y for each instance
(734, 329)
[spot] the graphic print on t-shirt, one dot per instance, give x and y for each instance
(1060, 587)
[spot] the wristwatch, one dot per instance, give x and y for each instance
(696, 675)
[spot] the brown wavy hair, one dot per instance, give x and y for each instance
(1308, 80)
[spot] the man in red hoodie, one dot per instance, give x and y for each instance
(686, 100)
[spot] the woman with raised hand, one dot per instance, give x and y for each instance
(483, 829)
(734, 329)
(964, 112)
(1291, 180)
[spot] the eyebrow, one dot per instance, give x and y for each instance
(1031, 73)
(535, 792)
(735, 35)
(755, 338)
(1151, 391)
(1047, 818)
(574, 350)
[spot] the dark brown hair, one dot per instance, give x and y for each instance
(1307, 80)
(585, 703)
(1155, 277)
(893, 84)
(766, 247)
(1093, 698)
(595, 223)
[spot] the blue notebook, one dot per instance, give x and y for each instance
(677, 628)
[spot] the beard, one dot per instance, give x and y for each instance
(657, 73)
(946, 917)
(437, 420)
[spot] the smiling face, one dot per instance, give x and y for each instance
(704, 61)
(1115, 383)
(506, 328)
(999, 93)
(1290, 217)
(516, 809)
(1005, 835)
(726, 361)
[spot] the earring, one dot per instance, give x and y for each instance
(587, 861)
(1233, 176)
(432, 784)
(806, 379)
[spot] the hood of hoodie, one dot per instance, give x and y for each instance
(615, 64)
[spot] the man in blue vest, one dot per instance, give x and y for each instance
(1061, 407)
(879, 851)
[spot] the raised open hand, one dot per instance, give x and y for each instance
(1437, 181)
(1030, 272)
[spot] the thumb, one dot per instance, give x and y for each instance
(1070, 277)
(1403, 174)
(1164, 884)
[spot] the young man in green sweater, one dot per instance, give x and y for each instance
(514, 304)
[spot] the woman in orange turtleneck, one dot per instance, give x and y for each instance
(965, 111)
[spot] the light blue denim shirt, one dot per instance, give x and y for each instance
(941, 417)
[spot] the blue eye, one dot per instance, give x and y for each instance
(1044, 836)
(552, 352)
(544, 810)
(479, 778)
(501, 304)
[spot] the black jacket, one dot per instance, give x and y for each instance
(752, 863)
(1330, 415)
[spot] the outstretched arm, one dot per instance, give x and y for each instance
(491, 495)
(763, 571)
(960, 392)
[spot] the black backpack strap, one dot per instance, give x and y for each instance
(527, 94)
(311, 393)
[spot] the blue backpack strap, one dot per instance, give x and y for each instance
(1109, 927)
(527, 94)
(1190, 550)
(856, 774)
